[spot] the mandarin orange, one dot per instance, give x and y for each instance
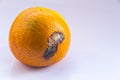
(39, 37)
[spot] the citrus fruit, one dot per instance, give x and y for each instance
(39, 37)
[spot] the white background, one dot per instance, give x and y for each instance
(94, 53)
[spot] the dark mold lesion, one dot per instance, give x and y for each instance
(54, 40)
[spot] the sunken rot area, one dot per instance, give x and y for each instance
(53, 42)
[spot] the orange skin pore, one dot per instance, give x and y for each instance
(30, 33)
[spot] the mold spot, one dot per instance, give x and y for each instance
(53, 41)
(15, 44)
(35, 21)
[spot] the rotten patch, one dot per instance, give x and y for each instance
(54, 40)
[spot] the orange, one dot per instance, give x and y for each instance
(39, 37)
